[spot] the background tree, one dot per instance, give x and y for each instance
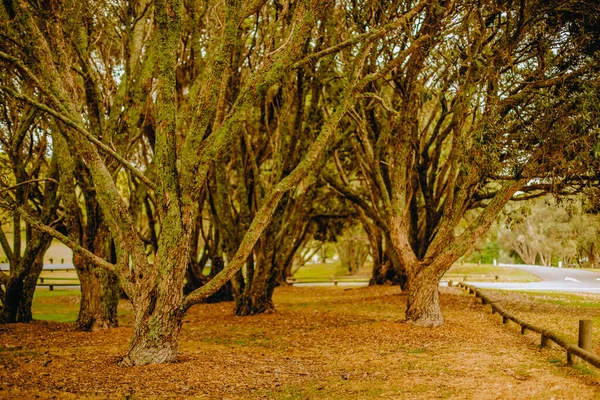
(482, 111)
(29, 178)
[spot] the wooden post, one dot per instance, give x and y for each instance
(544, 341)
(497, 277)
(523, 330)
(51, 287)
(483, 301)
(585, 334)
(493, 310)
(450, 283)
(504, 319)
(585, 339)
(41, 280)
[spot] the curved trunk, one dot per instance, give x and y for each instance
(20, 287)
(423, 306)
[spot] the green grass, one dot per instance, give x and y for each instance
(579, 300)
(327, 271)
(56, 305)
(485, 272)
(62, 305)
(473, 272)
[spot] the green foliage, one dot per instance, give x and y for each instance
(486, 254)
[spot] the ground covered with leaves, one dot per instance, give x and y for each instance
(332, 343)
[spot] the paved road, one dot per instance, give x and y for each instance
(554, 279)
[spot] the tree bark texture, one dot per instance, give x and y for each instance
(100, 291)
(423, 306)
(157, 323)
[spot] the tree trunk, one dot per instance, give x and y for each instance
(257, 299)
(593, 256)
(225, 293)
(423, 307)
(157, 322)
(99, 297)
(21, 285)
(100, 291)
(257, 296)
(387, 270)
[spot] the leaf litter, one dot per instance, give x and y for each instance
(321, 343)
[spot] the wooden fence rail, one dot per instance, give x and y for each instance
(546, 334)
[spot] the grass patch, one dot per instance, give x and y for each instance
(56, 305)
(324, 272)
(484, 273)
(62, 305)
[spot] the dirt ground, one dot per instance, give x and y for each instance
(322, 343)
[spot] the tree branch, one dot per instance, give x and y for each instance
(72, 124)
(100, 262)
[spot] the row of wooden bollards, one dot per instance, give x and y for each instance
(583, 350)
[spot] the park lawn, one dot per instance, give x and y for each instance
(62, 305)
(470, 272)
(329, 343)
(487, 272)
(327, 271)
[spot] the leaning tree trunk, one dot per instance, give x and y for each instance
(20, 287)
(423, 306)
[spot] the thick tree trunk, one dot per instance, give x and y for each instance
(423, 306)
(100, 291)
(100, 294)
(257, 297)
(387, 270)
(157, 322)
(257, 300)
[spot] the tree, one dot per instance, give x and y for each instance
(353, 249)
(192, 127)
(547, 229)
(30, 175)
(492, 104)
